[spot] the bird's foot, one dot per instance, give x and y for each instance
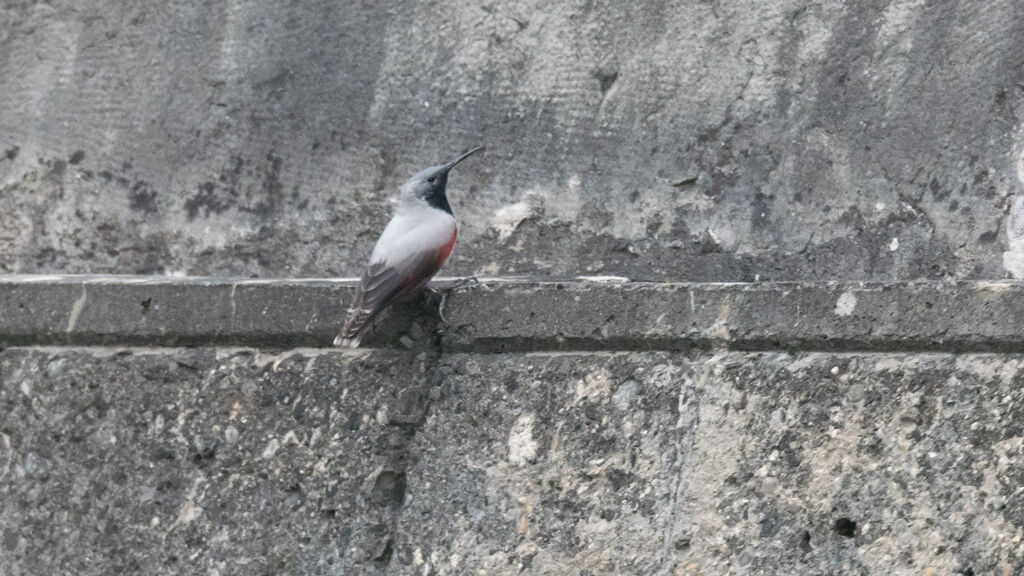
(463, 283)
(458, 285)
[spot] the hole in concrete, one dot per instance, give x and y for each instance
(618, 478)
(385, 555)
(146, 304)
(606, 79)
(964, 572)
(389, 488)
(353, 420)
(202, 457)
(805, 541)
(845, 527)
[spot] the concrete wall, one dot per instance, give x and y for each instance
(230, 461)
(689, 140)
(683, 430)
(820, 426)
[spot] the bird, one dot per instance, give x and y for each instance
(410, 251)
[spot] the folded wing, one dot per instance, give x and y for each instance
(383, 283)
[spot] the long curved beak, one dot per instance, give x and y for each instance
(452, 164)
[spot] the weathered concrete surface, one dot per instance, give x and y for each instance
(521, 315)
(203, 461)
(442, 455)
(706, 141)
(175, 461)
(731, 464)
(801, 316)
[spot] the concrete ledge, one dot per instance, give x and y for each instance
(507, 314)
(975, 316)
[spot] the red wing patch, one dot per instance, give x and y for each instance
(381, 284)
(445, 250)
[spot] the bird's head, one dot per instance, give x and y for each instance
(429, 184)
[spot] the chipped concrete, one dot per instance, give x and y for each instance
(1013, 257)
(521, 446)
(76, 309)
(846, 304)
(508, 218)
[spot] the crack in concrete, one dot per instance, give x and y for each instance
(234, 306)
(388, 485)
(76, 310)
(688, 408)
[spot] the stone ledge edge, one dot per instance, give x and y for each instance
(521, 314)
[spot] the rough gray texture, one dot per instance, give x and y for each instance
(203, 461)
(702, 141)
(924, 316)
(583, 451)
(731, 464)
(229, 461)
(520, 315)
(638, 428)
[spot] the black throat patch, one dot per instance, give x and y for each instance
(438, 199)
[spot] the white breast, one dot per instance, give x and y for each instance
(413, 231)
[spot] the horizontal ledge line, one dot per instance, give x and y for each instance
(704, 346)
(271, 354)
(298, 282)
(540, 345)
(517, 280)
(521, 314)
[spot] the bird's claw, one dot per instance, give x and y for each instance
(463, 283)
(440, 309)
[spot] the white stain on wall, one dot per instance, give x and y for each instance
(522, 448)
(846, 303)
(508, 218)
(1013, 258)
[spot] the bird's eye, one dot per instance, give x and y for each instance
(431, 179)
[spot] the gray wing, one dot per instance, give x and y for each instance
(380, 285)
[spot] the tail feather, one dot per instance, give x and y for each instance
(342, 342)
(358, 322)
(381, 284)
